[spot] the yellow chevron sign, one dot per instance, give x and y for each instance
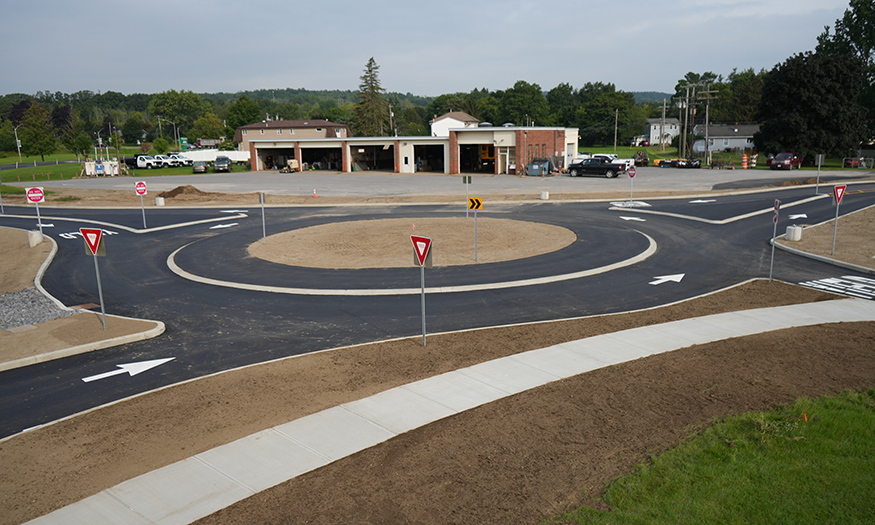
(475, 204)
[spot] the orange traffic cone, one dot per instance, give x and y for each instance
(744, 161)
(314, 193)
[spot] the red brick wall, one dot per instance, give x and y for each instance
(253, 161)
(397, 149)
(454, 153)
(540, 142)
(344, 152)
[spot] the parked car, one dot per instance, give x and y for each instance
(785, 161)
(222, 164)
(689, 163)
(181, 160)
(165, 161)
(200, 167)
(597, 166)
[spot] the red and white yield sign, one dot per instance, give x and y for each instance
(141, 188)
(631, 172)
(421, 247)
(92, 238)
(840, 192)
(35, 195)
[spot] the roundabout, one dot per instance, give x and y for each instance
(373, 257)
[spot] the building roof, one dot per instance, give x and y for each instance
(328, 126)
(461, 116)
(656, 121)
(728, 130)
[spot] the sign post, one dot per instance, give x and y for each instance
(839, 193)
(631, 183)
(94, 246)
(466, 180)
(774, 235)
(820, 158)
(1, 200)
(36, 196)
(141, 190)
(475, 204)
(422, 256)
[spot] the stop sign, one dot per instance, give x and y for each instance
(35, 195)
(631, 172)
(141, 188)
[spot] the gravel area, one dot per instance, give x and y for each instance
(28, 307)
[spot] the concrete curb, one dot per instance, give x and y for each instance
(88, 347)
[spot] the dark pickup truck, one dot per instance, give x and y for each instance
(597, 166)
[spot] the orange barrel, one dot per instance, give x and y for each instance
(744, 161)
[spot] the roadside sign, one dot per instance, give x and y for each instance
(422, 250)
(839, 193)
(466, 179)
(94, 246)
(475, 204)
(631, 172)
(777, 207)
(93, 241)
(141, 188)
(35, 195)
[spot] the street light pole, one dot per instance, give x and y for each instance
(17, 142)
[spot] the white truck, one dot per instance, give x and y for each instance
(612, 157)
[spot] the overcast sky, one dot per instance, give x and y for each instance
(422, 48)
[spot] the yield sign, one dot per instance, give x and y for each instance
(840, 192)
(92, 238)
(421, 247)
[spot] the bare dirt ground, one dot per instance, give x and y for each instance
(518, 460)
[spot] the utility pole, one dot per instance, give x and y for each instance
(662, 129)
(616, 121)
(707, 96)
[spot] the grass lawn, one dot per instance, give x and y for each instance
(811, 462)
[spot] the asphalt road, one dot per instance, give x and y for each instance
(214, 328)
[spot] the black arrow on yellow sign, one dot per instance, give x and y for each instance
(475, 204)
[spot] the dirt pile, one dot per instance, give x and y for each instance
(185, 191)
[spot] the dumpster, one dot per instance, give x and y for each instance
(539, 167)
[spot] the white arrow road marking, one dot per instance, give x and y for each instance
(799, 216)
(45, 225)
(235, 211)
(639, 219)
(216, 227)
(129, 368)
(666, 278)
(702, 201)
(633, 204)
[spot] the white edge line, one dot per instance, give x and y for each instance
(171, 263)
(135, 230)
(728, 220)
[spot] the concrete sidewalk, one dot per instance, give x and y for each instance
(198, 486)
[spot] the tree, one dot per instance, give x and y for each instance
(75, 138)
(855, 34)
(371, 113)
(746, 90)
(36, 133)
(208, 127)
(132, 129)
(809, 105)
(525, 104)
(563, 104)
(242, 112)
(161, 146)
(7, 136)
(183, 107)
(601, 107)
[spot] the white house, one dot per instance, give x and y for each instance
(669, 129)
(441, 126)
(725, 137)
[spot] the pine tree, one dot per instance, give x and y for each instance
(371, 109)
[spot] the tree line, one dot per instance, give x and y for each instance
(815, 102)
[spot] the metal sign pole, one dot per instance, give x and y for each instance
(143, 207)
(100, 292)
(38, 220)
(422, 281)
(817, 186)
(263, 226)
(475, 235)
(774, 236)
(835, 228)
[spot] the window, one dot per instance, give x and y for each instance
(262, 132)
(725, 142)
(279, 132)
(244, 131)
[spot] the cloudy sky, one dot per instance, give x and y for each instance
(422, 48)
